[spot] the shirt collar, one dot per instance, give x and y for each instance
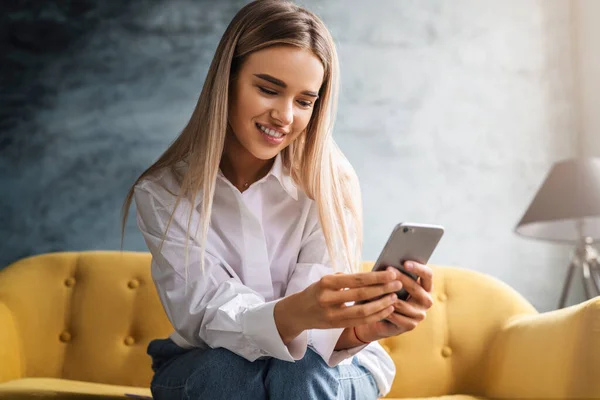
(284, 177)
(281, 173)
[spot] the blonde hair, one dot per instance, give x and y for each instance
(315, 162)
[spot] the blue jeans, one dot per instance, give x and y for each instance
(197, 374)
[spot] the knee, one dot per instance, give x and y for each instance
(213, 362)
(222, 371)
(204, 373)
(309, 375)
(310, 365)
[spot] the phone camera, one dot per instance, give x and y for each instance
(405, 230)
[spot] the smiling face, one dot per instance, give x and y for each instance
(272, 99)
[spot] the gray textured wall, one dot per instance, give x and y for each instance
(586, 32)
(451, 112)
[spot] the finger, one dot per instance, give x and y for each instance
(358, 311)
(378, 316)
(410, 310)
(417, 292)
(402, 322)
(359, 279)
(423, 271)
(397, 273)
(359, 294)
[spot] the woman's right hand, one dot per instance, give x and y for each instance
(322, 305)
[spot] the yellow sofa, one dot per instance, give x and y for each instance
(77, 325)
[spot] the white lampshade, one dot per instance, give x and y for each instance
(566, 208)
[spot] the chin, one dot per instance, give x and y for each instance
(265, 153)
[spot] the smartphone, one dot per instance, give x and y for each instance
(409, 242)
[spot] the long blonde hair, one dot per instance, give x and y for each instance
(315, 162)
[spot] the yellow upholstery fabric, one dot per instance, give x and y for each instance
(448, 397)
(469, 309)
(51, 387)
(566, 343)
(80, 323)
(84, 316)
(10, 347)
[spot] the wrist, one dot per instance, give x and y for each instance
(363, 334)
(288, 320)
(357, 336)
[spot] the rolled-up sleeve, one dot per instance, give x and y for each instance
(313, 264)
(209, 307)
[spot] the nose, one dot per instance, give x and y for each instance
(283, 112)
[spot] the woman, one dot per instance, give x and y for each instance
(250, 213)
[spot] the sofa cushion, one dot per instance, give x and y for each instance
(27, 388)
(448, 397)
(63, 388)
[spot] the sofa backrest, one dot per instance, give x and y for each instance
(446, 353)
(89, 316)
(85, 316)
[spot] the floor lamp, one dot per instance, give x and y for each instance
(566, 209)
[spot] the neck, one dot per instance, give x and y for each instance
(240, 167)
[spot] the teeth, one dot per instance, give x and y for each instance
(270, 132)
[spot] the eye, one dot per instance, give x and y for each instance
(304, 103)
(267, 91)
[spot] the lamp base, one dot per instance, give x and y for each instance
(585, 257)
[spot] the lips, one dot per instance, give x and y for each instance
(270, 130)
(270, 136)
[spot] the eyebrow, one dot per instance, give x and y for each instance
(280, 83)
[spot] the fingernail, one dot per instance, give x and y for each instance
(409, 265)
(394, 297)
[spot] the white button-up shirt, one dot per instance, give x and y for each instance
(263, 244)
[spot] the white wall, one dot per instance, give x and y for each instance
(586, 34)
(452, 112)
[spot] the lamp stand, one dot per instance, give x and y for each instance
(585, 256)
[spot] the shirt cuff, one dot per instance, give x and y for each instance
(323, 341)
(258, 324)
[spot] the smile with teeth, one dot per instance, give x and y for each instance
(270, 132)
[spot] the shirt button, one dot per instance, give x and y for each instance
(133, 284)
(446, 352)
(129, 341)
(65, 337)
(70, 282)
(442, 297)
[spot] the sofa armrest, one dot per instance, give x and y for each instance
(550, 355)
(10, 347)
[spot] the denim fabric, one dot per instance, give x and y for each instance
(214, 374)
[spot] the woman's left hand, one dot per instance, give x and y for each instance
(408, 314)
